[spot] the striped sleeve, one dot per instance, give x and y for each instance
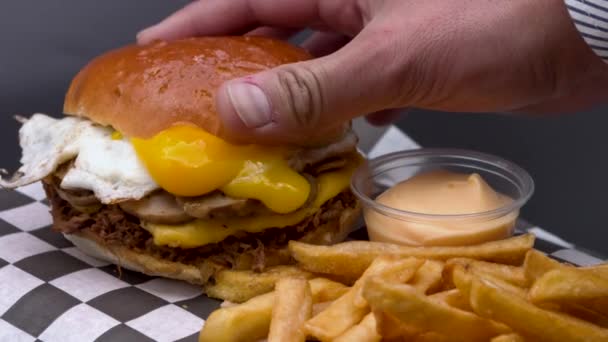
(591, 19)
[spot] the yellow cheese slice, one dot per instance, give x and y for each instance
(202, 232)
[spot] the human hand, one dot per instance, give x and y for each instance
(466, 55)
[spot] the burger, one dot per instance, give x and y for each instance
(140, 173)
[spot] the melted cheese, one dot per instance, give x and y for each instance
(201, 232)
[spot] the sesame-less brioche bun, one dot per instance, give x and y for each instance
(173, 82)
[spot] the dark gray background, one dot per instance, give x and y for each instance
(44, 43)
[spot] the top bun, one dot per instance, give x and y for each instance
(142, 90)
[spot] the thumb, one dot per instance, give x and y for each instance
(305, 102)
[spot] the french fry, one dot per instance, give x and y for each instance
(394, 296)
(251, 320)
(362, 332)
(336, 318)
(585, 314)
(245, 322)
(428, 277)
(516, 290)
(528, 320)
(344, 313)
(350, 259)
(430, 337)
(318, 307)
(463, 277)
(393, 329)
(325, 290)
(566, 284)
(537, 263)
(390, 269)
(512, 274)
(240, 286)
(599, 270)
(508, 338)
(292, 307)
(425, 315)
(452, 298)
(572, 286)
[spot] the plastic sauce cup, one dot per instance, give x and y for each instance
(389, 224)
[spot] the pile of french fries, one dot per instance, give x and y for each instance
(499, 291)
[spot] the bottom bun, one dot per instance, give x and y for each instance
(330, 232)
(131, 260)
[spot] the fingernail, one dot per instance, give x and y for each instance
(250, 103)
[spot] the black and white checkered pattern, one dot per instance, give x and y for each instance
(52, 292)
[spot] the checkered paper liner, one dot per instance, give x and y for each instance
(52, 292)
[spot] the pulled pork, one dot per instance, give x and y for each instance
(254, 251)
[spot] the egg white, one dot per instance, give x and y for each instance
(108, 167)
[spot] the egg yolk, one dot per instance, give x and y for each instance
(116, 135)
(187, 161)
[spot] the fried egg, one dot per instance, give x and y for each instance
(108, 167)
(184, 160)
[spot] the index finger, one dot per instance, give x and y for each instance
(221, 17)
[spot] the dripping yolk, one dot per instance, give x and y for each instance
(187, 161)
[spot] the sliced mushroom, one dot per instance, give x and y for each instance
(158, 207)
(332, 164)
(301, 158)
(218, 205)
(78, 198)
